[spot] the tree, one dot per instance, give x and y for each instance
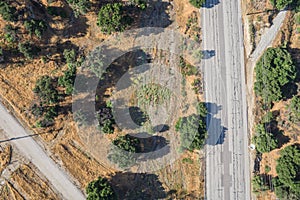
(287, 184)
(26, 49)
(294, 108)
(192, 129)
(106, 120)
(36, 27)
(258, 184)
(100, 189)
(281, 4)
(111, 18)
(46, 91)
(7, 12)
(264, 141)
(274, 70)
(197, 3)
(118, 156)
(79, 7)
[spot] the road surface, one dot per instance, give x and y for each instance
(31, 150)
(227, 157)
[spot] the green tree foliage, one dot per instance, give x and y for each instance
(192, 129)
(258, 184)
(7, 12)
(264, 141)
(79, 7)
(287, 184)
(36, 27)
(118, 156)
(100, 189)
(67, 80)
(281, 4)
(197, 3)
(142, 4)
(111, 18)
(274, 70)
(46, 91)
(106, 120)
(27, 49)
(294, 109)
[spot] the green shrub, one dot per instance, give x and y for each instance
(46, 91)
(79, 7)
(294, 108)
(142, 4)
(36, 27)
(263, 140)
(67, 80)
(281, 4)
(187, 69)
(258, 184)
(7, 12)
(111, 18)
(27, 49)
(106, 120)
(274, 70)
(100, 189)
(197, 3)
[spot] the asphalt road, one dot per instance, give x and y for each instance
(33, 151)
(227, 157)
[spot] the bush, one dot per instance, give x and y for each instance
(197, 3)
(258, 184)
(274, 70)
(67, 80)
(27, 49)
(106, 120)
(79, 7)
(139, 3)
(111, 18)
(192, 129)
(100, 189)
(46, 91)
(36, 27)
(70, 55)
(7, 12)
(187, 69)
(294, 109)
(263, 140)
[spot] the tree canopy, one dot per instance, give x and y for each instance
(263, 140)
(294, 108)
(79, 7)
(197, 3)
(7, 12)
(288, 167)
(192, 129)
(100, 189)
(281, 4)
(111, 18)
(274, 70)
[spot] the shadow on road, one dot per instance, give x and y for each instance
(210, 3)
(21, 137)
(216, 132)
(207, 54)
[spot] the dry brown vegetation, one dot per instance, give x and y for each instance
(17, 80)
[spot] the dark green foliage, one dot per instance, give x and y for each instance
(294, 109)
(67, 80)
(111, 18)
(117, 154)
(70, 56)
(106, 120)
(26, 49)
(197, 3)
(281, 4)
(274, 70)
(100, 189)
(7, 12)
(187, 69)
(264, 141)
(127, 143)
(37, 27)
(79, 7)
(267, 169)
(192, 129)
(142, 4)
(46, 91)
(258, 184)
(10, 34)
(197, 86)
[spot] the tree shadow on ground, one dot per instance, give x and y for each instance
(138, 116)
(278, 134)
(133, 186)
(210, 3)
(216, 132)
(155, 15)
